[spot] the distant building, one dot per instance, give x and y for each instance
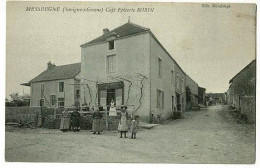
(216, 98)
(202, 93)
(58, 86)
(130, 66)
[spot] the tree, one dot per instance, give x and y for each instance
(18, 100)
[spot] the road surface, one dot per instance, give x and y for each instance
(206, 136)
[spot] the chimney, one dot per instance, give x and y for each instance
(50, 65)
(105, 31)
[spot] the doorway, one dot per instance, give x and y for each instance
(178, 96)
(110, 96)
(173, 103)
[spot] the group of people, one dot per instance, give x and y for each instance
(70, 121)
(73, 122)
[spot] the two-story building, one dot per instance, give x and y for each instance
(130, 66)
(57, 86)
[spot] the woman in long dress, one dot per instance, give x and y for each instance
(97, 122)
(65, 121)
(122, 126)
(112, 110)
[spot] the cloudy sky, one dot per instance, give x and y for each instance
(210, 44)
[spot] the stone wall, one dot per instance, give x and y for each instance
(248, 107)
(31, 114)
(22, 114)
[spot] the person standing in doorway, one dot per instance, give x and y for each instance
(97, 122)
(112, 110)
(122, 126)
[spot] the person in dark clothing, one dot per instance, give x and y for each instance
(75, 120)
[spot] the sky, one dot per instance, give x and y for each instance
(210, 44)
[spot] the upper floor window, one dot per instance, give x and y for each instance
(178, 81)
(111, 45)
(160, 67)
(172, 76)
(61, 86)
(182, 85)
(111, 63)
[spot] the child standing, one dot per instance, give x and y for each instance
(133, 128)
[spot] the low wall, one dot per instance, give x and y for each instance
(30, 114)
(248, 107)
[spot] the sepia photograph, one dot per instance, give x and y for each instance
(130, 82)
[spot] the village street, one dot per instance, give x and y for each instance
(207, 136)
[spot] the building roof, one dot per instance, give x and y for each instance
(58, 72)
(254, 61)
(121, 31)
(125, 30)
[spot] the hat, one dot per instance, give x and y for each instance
(124, 106)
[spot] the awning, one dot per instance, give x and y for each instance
(113, 85)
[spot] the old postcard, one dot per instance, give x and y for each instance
(130, 82)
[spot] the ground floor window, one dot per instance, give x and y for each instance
(61, 102)
(77, 96)
(41, 102)
(160, 99)
(53, 100)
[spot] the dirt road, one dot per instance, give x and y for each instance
(206, 136)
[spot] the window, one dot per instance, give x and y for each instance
(111, 63)
(182, 85)
(42, 90)
(53, 100)
(60, 102)
(41, 102)
(160, 99)
(172, 77)
(178, 81)
(160, 67)
(61, 86)
(111, 45)
(77, 94)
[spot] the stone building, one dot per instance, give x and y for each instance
(57, 86)
(129, 65)
(242, 91)
(191, 93)
(242, 84)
